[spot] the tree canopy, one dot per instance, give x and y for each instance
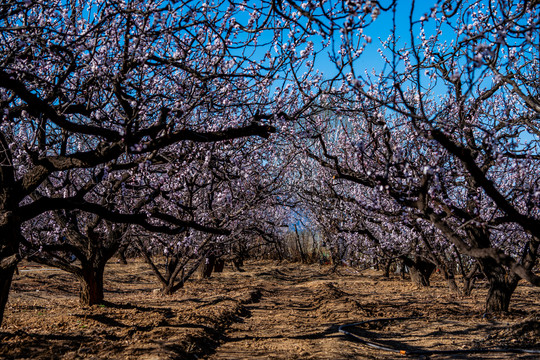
(225, 118)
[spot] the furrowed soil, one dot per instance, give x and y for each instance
(269, 311)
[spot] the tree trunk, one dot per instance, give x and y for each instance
(387, 266)
(167, 289)
(469, 279)
(420, 270)
(418, 277)
(9, 257)
(403, 270)
(6, 275)
(238, 262)
(206, 267)
(10, 229)
(299, 246)
(91, 280)
(122, 254)
(219, 265)
(449, 277)
(499, 294)
(500, 290)
(452, 285)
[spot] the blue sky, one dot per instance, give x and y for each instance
(381, 28)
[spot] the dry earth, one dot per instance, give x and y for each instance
(285, 311)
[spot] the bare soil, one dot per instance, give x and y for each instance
(270, 311)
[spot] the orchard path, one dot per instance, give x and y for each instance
(291, 321)
(270, 311)
(300, 309)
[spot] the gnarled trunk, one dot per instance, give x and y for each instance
(469, 279)
(206, 267)
(387, 267)
(420, 275)
(501, 287)
(6, 275)
(499, 295)
(169, 286)
(10, 228)
(419, 269)
(9, 257)
(219, 265)
(91, 281)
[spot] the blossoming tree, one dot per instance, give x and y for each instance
(447, 126)
(104, 85)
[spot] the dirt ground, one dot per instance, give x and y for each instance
(270, 311)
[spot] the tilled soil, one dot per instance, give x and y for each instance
(270, 311)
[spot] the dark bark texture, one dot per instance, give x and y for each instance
(419, 269)
(91, 280)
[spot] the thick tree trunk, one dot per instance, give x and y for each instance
(6, 275)
(420, 270)
(498, 298)
(91, 280)
(238, 262)
(500, 290)
(206, 267)
(501, 286)
(10, 229)
(419, 277)
(387, 266)
(219, 265)
(9, 257)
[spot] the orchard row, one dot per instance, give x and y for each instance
(392, 131)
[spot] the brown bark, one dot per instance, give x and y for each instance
(501, 286)
(419, 269)
(122, 254)
(10, 232)
(9, 256)
(499, 295)
(387, 266)
(6, 275)
(238, 262)
(469, 279)
(7, 270)
(206, 267)
(219, 265)
(91, 250)
(91, 280)
(9, 261)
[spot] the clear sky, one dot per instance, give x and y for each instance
(381, 28)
